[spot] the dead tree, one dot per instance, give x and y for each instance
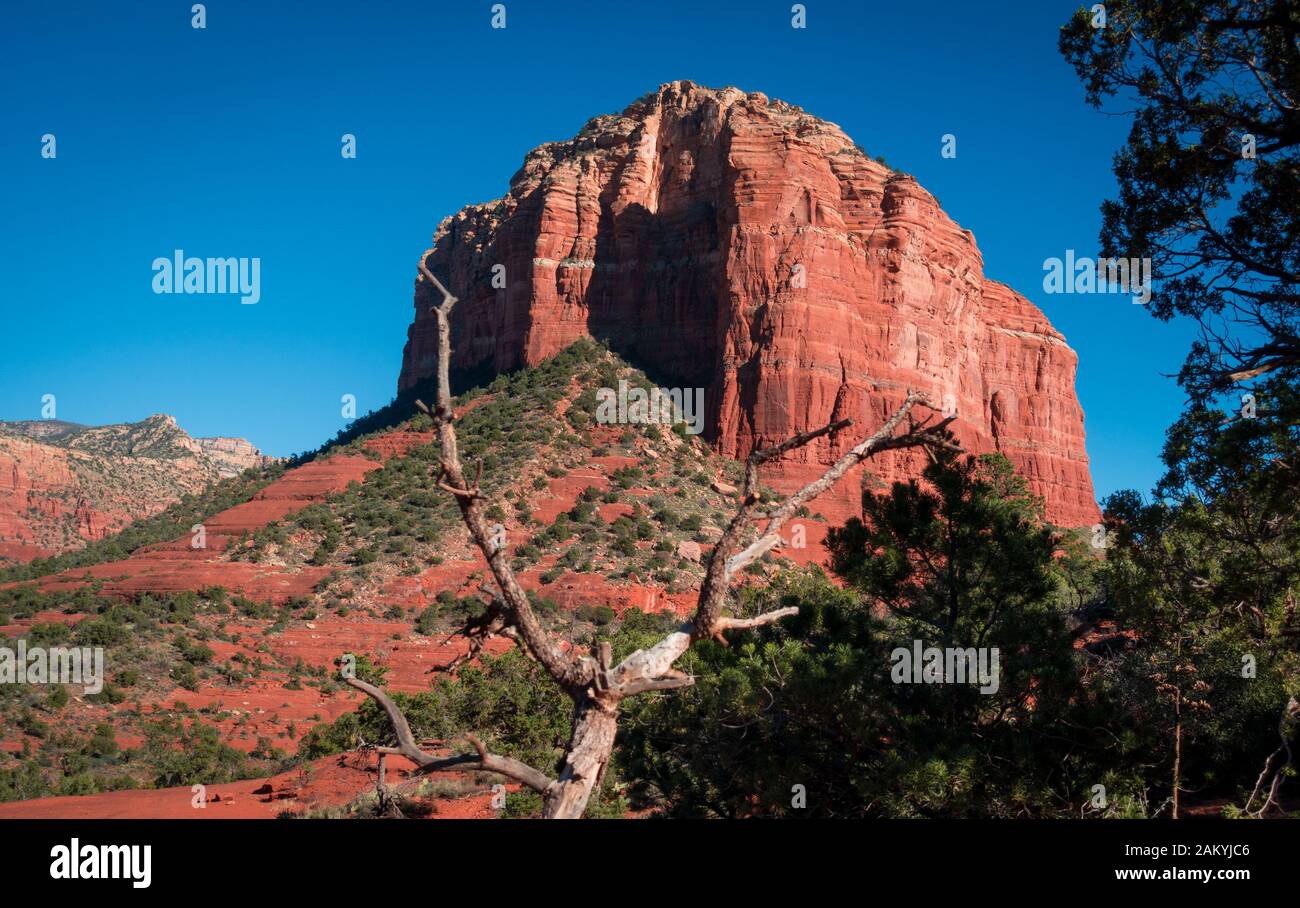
(1278, 764)
(595, 685)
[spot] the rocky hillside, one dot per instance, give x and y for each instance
(226, 655)
(725, 241)
(63, 484)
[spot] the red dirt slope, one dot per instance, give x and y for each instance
(176, 565)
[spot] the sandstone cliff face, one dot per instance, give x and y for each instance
(722, 240)
(62, 484)
(230, 456)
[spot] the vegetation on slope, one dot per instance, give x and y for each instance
(174, 521)
(527, 429)
(151, 645)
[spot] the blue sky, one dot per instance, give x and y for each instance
(225, 141)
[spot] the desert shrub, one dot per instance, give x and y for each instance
(189, 754)
(22, 782)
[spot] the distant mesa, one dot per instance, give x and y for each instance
(63, 484)
(722, 240)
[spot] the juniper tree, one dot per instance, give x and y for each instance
(1209, 179)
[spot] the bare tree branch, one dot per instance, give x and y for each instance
(478, 630)
(595, 686)
(724, 562)
(487, 762)
(727, 624)
(571, 673)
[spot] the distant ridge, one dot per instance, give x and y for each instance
(63, 484)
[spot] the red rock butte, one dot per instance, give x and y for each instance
(722, 240)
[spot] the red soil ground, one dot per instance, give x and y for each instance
(327, 782)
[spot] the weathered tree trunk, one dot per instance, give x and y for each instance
(1278, 762)
(1178, 746)
(595, 724)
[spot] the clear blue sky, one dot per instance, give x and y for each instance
(225, 141)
